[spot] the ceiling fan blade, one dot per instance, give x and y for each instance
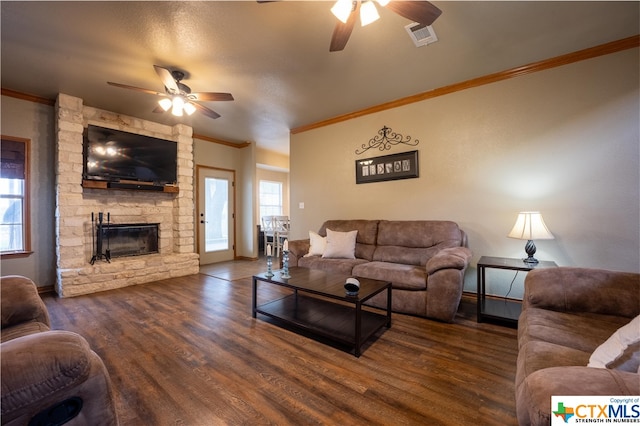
(139, 89)
(211, 96)
(419, 11)
(342, 31)
(167, 79)
(158, 109)
(206, 111)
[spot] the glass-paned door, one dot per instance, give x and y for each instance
(216, 239)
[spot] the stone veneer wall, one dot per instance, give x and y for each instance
(74, 205)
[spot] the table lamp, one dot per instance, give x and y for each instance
(530, 226)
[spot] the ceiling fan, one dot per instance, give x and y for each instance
(177, 96)
(347, 12)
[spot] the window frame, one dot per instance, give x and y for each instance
(26, 201)
(260, 204)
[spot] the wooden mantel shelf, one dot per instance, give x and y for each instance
(129, 186)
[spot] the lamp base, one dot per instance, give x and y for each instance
(530, 248)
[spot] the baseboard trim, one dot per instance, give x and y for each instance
(245, 258)
(46, 289)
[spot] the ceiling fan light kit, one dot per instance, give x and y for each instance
(421, 12)
(178, 105)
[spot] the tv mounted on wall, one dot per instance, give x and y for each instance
(113, 156)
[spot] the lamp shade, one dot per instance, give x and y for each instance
(368, 13)
(342, 9)
(530, 226)
(189, 108)
(165, 104)
(178, 104)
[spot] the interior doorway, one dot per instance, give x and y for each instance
(215, 214)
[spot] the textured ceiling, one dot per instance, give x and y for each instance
(274, 57)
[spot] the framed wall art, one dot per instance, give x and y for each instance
(387, 167)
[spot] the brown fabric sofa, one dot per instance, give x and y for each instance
(424, 260)
(48, 376)
(567, 314)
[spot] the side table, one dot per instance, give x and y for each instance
(504, 311)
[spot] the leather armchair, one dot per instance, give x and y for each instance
(47, 376)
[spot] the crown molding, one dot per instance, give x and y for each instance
(221, 141)
(27, 97)
(580, 55)
(52, 102)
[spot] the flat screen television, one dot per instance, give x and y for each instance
(114, 156)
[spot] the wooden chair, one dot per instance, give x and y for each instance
(270, 235)
(281, 226)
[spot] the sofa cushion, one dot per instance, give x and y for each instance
(414, 242)
(620, 351)
(407, 277)
(584, 332)
(340, 245)
(317, 244)
(366, 238)
(343, 266)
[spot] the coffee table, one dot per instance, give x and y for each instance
(319, 305)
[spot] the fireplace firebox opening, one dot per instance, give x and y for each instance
(121, 240)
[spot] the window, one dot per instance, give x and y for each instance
(14, 196)
(270, 198)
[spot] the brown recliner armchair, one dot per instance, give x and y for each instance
(49, 377)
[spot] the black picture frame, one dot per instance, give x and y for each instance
(388, 167)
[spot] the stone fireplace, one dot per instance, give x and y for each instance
(171, 213)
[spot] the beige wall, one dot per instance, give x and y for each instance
(272, 159)
(562, 141)
(35, 122)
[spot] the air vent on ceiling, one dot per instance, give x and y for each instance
(421, 34)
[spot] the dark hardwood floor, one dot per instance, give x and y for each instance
(186, 351)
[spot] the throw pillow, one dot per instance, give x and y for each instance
(621, 351)
(318, 244)
(340, 245)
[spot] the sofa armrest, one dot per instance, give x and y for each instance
(533, 396)
(445, 281)
(297, 249)
(584, 290)
(42, 370)
(20, 302)
(454, 258)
